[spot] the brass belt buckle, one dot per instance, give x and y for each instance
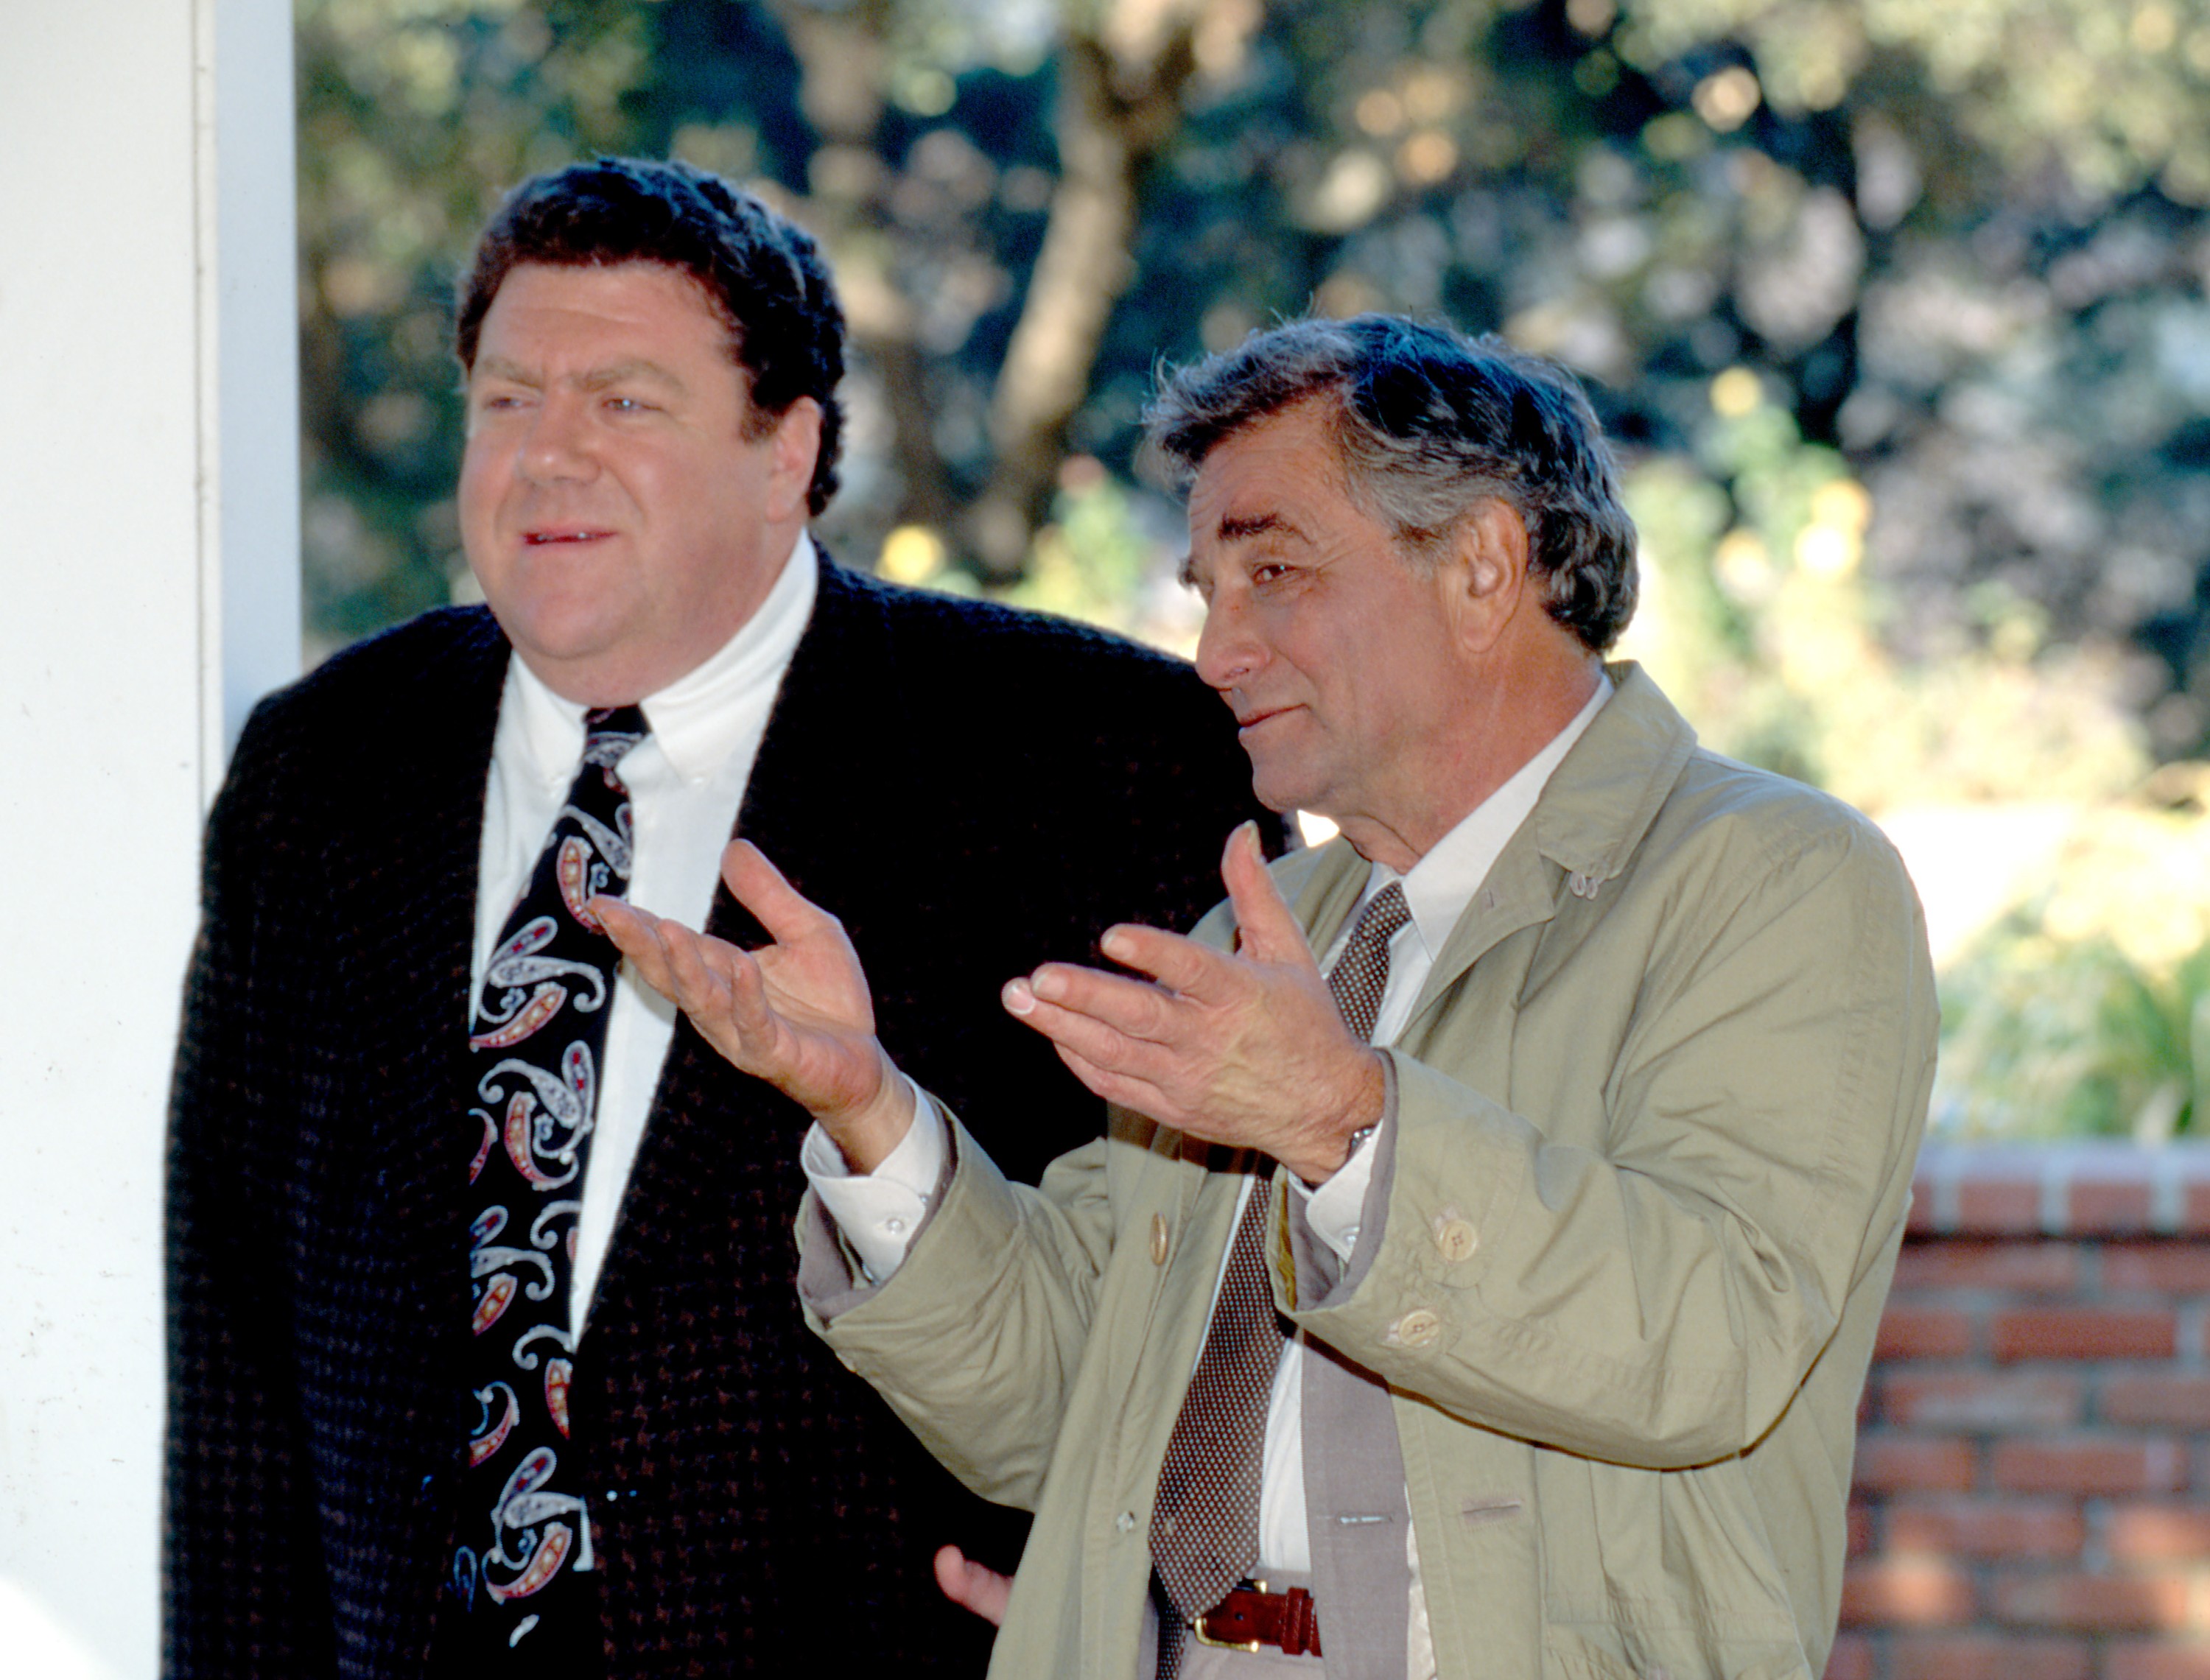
(1249, 1647)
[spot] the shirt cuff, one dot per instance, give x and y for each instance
(1334, 1208)
(878, 1212)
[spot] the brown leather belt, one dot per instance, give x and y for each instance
(1250, 1617)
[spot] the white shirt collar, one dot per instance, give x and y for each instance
(1438, 888)
(693, 718)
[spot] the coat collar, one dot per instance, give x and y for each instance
(1592, 815)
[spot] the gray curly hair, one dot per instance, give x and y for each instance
(1428, 422)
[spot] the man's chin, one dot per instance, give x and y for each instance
(1284, 792)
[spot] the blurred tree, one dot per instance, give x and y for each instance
(1957, 252)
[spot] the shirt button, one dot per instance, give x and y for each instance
(1455, 1239)
(1158, 1240)
(1418, 1328)
(1125, 1521)
(894, 1226)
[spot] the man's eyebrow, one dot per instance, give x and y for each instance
(1232, 528)
(621, 372)
(596, 379)
(499, 367)
(1242, 527)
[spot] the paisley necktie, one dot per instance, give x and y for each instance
(523, 1561)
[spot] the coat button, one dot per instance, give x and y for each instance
(1455, 1239)
(1418, 1328)
(1158, 1240)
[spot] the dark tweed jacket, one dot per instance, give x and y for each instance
(970, 789)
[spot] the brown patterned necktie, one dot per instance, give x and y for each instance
(522, 1562)
(1205, 1524)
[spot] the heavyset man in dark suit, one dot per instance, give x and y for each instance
(652, 363)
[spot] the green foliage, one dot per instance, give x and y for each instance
(1895, 309)
(1976, 285)
(2044, 1038)
(1089, 561)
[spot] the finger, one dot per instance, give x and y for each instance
(1177, 963)
(1097, 1041)
(786, 913)
(1135, 1007)
(973, 1586)
(636, 936)
(716, 982)
(1266, 930)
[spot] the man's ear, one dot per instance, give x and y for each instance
(796, 445)
(1488, 562)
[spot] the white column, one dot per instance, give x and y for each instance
(149, 590)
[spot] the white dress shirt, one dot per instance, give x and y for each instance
(686, 780)
(878, 1212)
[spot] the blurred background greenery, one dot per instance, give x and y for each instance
(1896, 310)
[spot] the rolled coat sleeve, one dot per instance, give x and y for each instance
(1641, 1262)
(976, 1341)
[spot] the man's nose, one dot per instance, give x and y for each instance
(1228, 648)
(556, 450)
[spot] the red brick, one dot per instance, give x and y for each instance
(2089, 1465)
(2158, 1660)
(1986, 1528)
(2178, 1402)
(1888, 1463)
(1987, 1657)
(1980, 1400)
(1916, 1593)
(2108, 1206)
(2166, 1268)
(2158, 1533)
(2084, 1332)
(2094, 1604)
(1851, 1658)
(1920, 1220)
(1923, 1332)
(2026, 1268)
(1860, 1529)
(2004, 1207)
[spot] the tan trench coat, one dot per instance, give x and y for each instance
(1654, 1121)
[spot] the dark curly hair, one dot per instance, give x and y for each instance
(761, 272)
(1428, 422)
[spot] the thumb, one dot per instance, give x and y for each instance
(760, 887)
(973, 1586)
(1266, 930)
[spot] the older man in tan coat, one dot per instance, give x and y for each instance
(1569, 1199)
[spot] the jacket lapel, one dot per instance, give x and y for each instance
(1585, 827)
(426, 885)
(814, 803)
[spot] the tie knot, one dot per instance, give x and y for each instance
(610, 724)
(1385, 913)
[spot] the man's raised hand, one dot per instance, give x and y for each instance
(796, 1013)
(1246, 1050)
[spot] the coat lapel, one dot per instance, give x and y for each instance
(1582, 833)
(822, 779)
(446, 724)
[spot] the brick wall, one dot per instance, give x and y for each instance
(2033, 1464)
